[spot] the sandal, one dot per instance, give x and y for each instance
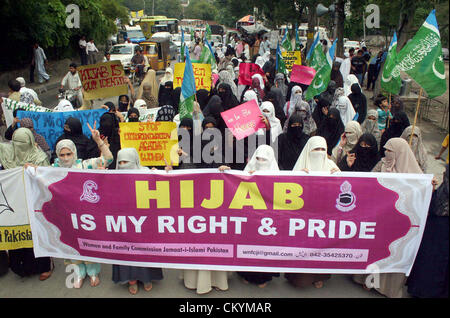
(148, 287)
(133, 288)
(45, 275)
(95, 281)
(262, 285)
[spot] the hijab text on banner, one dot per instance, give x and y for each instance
(103, 80)
(154, 141)
(51, 125)
(202, 75)
(202, 218)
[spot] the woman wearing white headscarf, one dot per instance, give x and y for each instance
(263, 159)
(345, 66)
(67, 158)
(337, 93)
(261, 80)
(417, 146)
(260, 61)
(312, 158)
(168, 76)
(296, 94)
(249, 95)
(348, 82)
(399, 158)
(268, 111)
(304, 110)
(128, 158)
(370, 125)
(349, 140)
(225, 77)
(345, 107)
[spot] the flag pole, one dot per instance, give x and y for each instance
(388, 119)
(415, 116)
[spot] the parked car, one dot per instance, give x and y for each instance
(445, 53)
(124, 53)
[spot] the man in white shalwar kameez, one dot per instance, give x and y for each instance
(39, 62)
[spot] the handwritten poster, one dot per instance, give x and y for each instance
(244, 119)
(290, 58)
(302, 74)
(202, 75)
(102, 80)
(156, 142)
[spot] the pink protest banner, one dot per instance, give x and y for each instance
(204, 219)
(243, 120)
(302, 74)
(246, 71)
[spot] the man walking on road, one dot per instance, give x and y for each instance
(39, 61)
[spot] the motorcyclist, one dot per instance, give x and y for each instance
(138, 60)
(73, 82)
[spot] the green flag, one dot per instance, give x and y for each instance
(297, 39)
(280, 65)
(286, 42)
(322, 64)
(389, 83)
(421, 58)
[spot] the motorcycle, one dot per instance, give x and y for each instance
(70, 95)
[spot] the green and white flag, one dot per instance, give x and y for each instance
(286, 42)
(280, 65)
(187, 96)
(421, 58)
(207, 56)
(322, 64)
(389, 83)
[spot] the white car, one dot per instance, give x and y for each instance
(124, 53)
(351, 44)
(176, 38)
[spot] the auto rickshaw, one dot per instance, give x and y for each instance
(157, 50)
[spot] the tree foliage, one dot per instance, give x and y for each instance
(44, 21)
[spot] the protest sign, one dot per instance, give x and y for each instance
(10, 105)
(15, 231)
(154, 141)
(145, 114)
(202, 75)
(302, 74)
(51, 125)
(243, 120)
(103, 80)
(204, 219)
(246, 71)
(291, 58)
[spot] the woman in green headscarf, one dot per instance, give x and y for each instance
(23, 151)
